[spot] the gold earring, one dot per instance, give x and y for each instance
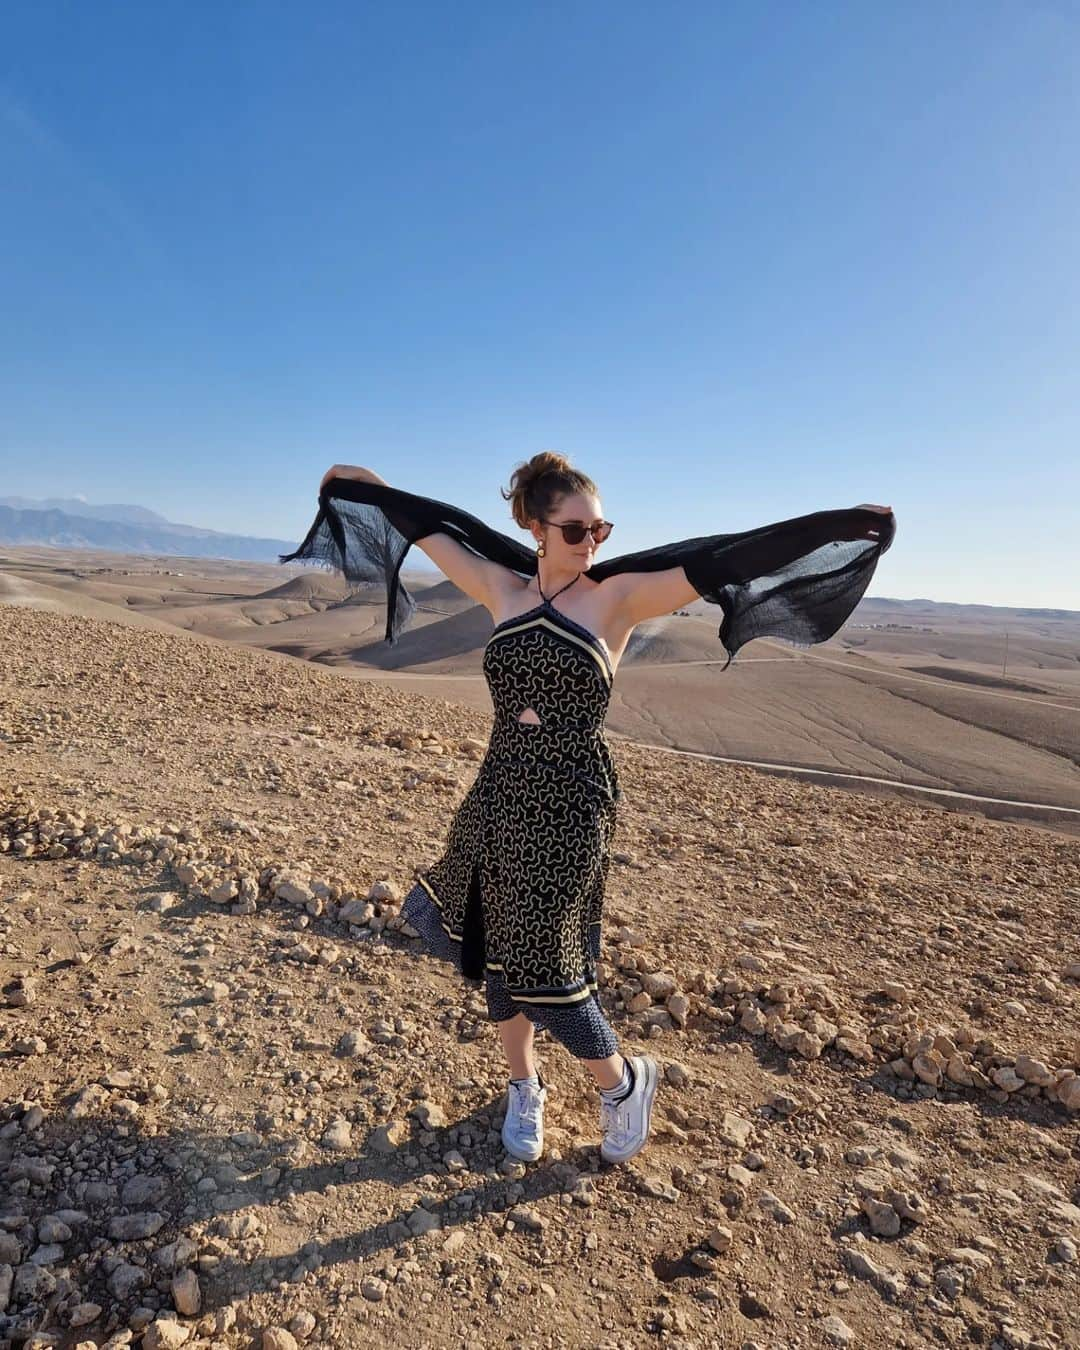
(540, 549)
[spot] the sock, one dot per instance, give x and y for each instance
(533, 1078)
(623, 1088)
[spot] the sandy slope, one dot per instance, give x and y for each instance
(184, 1132)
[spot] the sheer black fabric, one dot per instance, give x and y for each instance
(796, 579)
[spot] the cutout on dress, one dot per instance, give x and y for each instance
(528, 717)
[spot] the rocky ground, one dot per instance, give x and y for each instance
(240, 1107)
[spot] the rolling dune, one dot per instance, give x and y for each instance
(908, 691)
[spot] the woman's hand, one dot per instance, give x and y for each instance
(351, 471)
(872, 531)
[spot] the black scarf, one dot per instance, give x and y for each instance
(797, 579)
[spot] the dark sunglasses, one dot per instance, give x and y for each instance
(573, 531)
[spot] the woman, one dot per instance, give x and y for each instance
(517, 896)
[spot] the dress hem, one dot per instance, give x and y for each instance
(423, 910)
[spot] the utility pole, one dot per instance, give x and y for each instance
(1005, 662)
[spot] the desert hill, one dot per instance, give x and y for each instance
(239, 1105)
(909, 697)
(314, 587)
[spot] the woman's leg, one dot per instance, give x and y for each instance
(517, 1039)
(607, 1072)
(515, 1030)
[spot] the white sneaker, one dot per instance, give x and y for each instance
(626, 1124)
(523, 1128)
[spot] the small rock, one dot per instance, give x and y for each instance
(52, 1229)
(884, 1220)
(422, 1221)
(658, 1189)
(132, 1227)
(186, 1294)
(430, 1115)
(389, 1137)
(524, 1217)
(735, 1129)
(84, 1313)
(1068, 1093)
(720, 1239)
(836, 1331)
(303, 1324)
(659, 985)
(165, 1335)
(125, 1279)
(353, 1043)
(1033, 1071)
(277, 1338)
(775, 1207)
(337, 1135)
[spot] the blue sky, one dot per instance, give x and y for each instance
(739, 261)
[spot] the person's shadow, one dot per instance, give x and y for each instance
(526, 1184)
(255, 1178)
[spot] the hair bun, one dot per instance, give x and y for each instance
(535, 485)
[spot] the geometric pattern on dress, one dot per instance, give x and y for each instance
(538, 822)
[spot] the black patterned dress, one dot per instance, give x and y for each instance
(517, 897)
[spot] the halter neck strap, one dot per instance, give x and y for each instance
(548, 598)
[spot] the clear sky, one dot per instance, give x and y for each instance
(739, 261)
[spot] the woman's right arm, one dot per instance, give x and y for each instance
(482, 580)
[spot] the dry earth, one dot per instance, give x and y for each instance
(908, 691)
(239, 1107)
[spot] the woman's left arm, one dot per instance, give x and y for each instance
(650, 595)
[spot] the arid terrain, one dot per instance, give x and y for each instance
(910, 698)
(240, 1107)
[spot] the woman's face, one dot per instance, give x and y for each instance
(585, 509)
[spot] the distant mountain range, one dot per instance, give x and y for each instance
(70, 522)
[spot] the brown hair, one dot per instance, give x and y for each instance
(536, 486)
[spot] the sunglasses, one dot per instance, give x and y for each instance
(573, 531)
